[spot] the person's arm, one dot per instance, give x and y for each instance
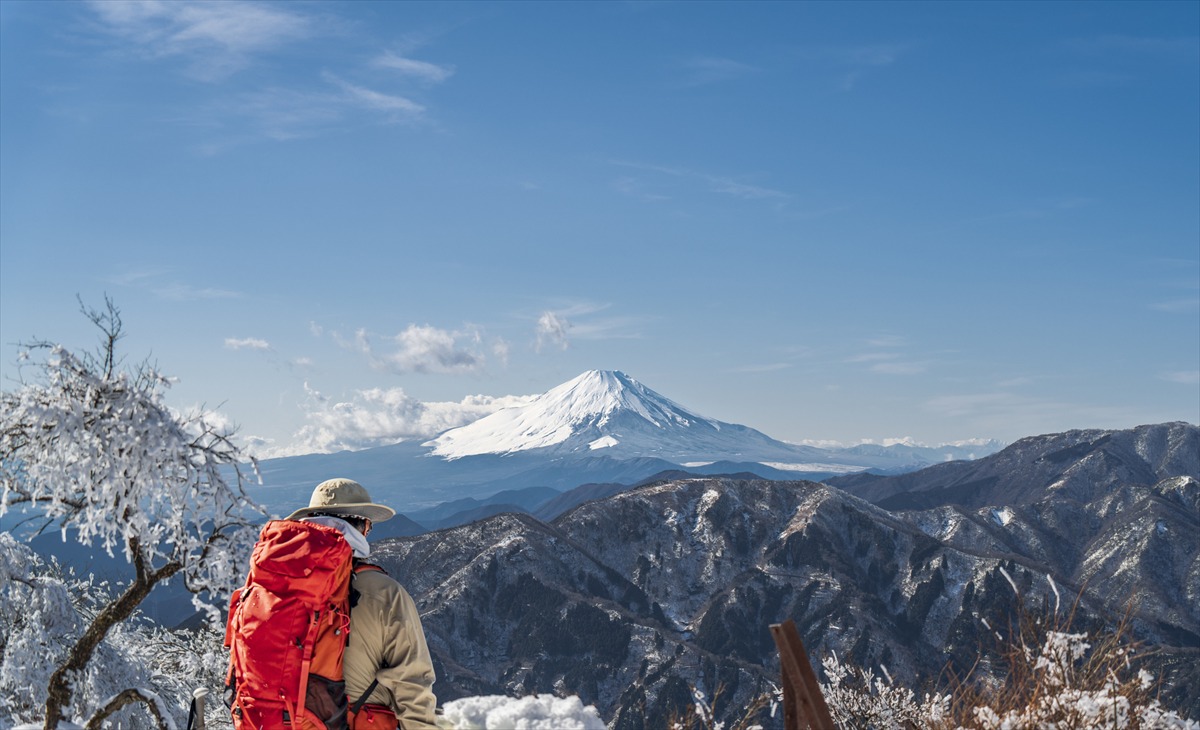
(407, 672)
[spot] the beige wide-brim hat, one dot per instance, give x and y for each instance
(343, 497)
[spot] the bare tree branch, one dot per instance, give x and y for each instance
(128, 697)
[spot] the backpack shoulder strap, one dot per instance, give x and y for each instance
(361, 566)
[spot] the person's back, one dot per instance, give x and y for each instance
(387, 646)
(388, 673)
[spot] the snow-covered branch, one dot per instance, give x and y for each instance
(92, 447)
(152, 701)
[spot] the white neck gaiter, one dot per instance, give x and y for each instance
(358, 543)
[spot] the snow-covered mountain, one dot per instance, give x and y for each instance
(610, 413)
(631, 597)
(601, 427)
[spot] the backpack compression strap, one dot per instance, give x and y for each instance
(363, 700)
(310, 643)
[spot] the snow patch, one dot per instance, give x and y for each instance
(534, 712)
(603, 442)
(1002, 516)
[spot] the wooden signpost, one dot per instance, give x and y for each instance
(803, 704)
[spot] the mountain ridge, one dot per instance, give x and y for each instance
(1080, 462)
(631, 598)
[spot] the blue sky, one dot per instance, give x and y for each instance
(341, 224)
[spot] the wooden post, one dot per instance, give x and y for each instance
(804, 706)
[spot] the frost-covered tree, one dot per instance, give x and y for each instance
(858, 699)
(89, 445)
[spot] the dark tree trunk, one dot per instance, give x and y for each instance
(122, 608)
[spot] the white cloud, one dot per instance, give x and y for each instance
(215, 40)
(552, 330)
(250, 343)
(217, 420)
(218, 38)
(430, 73)
(425, 350)
(500, 349)
(1187, 377)
(375, 100)
(569, 321)
(377, 417)
(284, 114)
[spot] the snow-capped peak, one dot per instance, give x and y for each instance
(604, 392)
(588, 406)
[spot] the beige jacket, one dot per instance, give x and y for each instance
(387, 643)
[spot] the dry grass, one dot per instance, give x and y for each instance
(699, 715)
(1052, 675)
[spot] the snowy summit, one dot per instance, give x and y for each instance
(603, 411)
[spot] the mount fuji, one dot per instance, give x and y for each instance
(607, 412)
(602, 427)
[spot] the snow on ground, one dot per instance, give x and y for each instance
(534, 712)
(492, 712)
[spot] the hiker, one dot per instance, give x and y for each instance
(386, 663)
(292, 663)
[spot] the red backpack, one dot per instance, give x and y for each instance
(287, 631)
